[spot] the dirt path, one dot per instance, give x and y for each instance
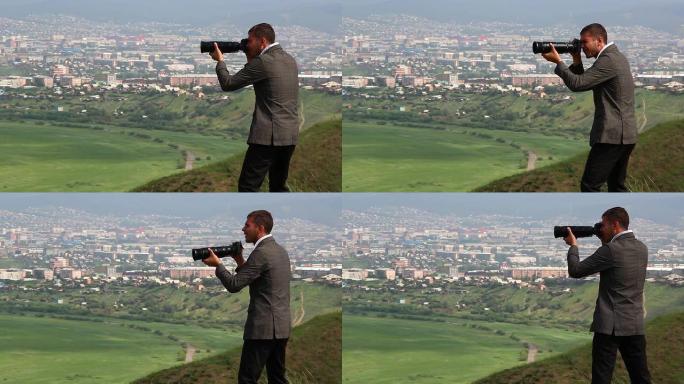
(643, 123)
(531, 161)
(300, 318)
(189, 353)
(189, 160)
(532, 353)
(301, 113)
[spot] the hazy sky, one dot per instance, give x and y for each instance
(325, 14)
(319, 207)
(325, 207)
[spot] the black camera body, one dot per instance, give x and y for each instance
(578, 230)
(224, 46)
(574, 46)
(222, 251)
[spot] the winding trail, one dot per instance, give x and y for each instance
(300, 317)
(532, 352)
(301, 113)
(189, 353)
(531, 160)
(189, 160)
(643, 123)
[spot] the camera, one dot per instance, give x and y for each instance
(577, 230)
(224, 46)
(573, 46)
(222, 251)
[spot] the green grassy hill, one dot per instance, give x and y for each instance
(315, 167)
(314, 355)
(665, 344)
(656, 165)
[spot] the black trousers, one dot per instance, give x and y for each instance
(262, 159)
(606, 163)
(256, 354)
(633, 351)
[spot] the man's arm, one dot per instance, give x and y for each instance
(243, 276)
(599, 261)
(602, 70)
(251, 73)
(576, 67)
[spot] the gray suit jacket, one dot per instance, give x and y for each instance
(267, 272)
(611, 81)
(620, 302)
(275, 78)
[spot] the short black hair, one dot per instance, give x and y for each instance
(262, 217)
(263, 30)
(618, 214)
(596, 30)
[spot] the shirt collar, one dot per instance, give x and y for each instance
(620, 234)
(599, 54)
(263, 237)
(269, 46)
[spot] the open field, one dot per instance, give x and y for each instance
(465, 141)
(387, 350)
(49, 350)
(103, 150)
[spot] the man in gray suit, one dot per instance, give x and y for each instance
(614, 132)
(267, 272)
(274, 132)
(619, 314)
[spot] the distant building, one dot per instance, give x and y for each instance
(70, 273)
(12, 274)
(412, 273)
(531, 273)
(59, 70)
(43, 274)
(58, 263)
(354, 274)
(43, 81)
(535, 79)
(193, 80)
(386, 273)
(183, 273)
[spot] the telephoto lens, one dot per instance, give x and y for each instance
(221, 251)
(577, 230)
(224, 46)
(573, 46)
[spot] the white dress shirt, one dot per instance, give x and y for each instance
(268, 46)
(600, 52)
(620, 234)
(261, 238)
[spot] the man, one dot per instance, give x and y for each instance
(267, 272)
(614, 132)
(619, 314)
(274, 131)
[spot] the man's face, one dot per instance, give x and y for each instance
(255, 45)
(590, 45)
(609, 229)
(251, 231)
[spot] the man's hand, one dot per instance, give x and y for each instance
(216, 54)
(239, 260)
(552, 56)
(576, 57)
(212, 260)
(570, 238)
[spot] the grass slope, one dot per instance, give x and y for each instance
(379, 157)
(45, 350)
(656, 165)
(315, 167)
(665, 351)
(314, 355)
(387, 350)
